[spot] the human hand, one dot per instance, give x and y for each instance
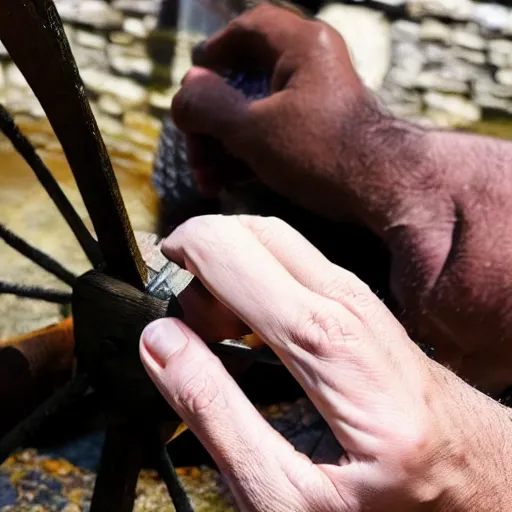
(414, 436)
(439, 200)
(302, 141)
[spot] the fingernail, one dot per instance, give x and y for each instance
(198, 52)
(163, 338)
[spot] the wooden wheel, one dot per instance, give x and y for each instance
(46, 61)
(95, 351)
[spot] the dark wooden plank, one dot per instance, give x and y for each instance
(32, 32)
(121, 461)
(22, 432)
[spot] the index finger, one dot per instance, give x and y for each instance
(242, 273)
(255, 39)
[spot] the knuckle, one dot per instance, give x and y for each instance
(210, 239)
(324, 32)
(323, 329)
(240, 25)
(255, 20)
(201, 228)
(325, 39)
(357, 299)
(266, 228)
(344, 286)
(321, 31)
(260, 12)
(276, 224)
(196, 236)
(198, 224)
(189, 230)
(200, 393)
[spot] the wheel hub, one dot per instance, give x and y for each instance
(109, 317)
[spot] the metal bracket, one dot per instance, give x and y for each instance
(167, 284)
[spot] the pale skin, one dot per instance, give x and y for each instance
(441, 201)
(416, 436)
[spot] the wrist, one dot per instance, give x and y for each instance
(393, 169)
(471, 466)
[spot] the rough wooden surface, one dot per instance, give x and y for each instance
(31, 368)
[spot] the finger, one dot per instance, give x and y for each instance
(312, 269)
(254, 254)
(208, 317)
(253, 456)
(207, 105)
(328, 345)
(204, 153)
(253, 39)
(304, 261)
(212, 167)
(240, 272)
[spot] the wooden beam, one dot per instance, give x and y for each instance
(33, 34)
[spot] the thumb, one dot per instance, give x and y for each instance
(207, 105)
(198, 387)
(252, 455)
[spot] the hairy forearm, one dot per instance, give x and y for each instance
(471, 294)
(477, 464)
(402, 161)
(445, 213)
(471, 163)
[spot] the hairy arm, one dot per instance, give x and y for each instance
(440, 200)
(478, 471)
(452, 249)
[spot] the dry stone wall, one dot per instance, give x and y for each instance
(447, 62)
(451, 60)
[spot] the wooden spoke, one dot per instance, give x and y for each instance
(33, 34)
(35, 292)
(27, 151)
(121, 462)
(168, 474)
(38, 257)
(17, 437)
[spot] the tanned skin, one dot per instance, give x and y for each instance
(440, 200)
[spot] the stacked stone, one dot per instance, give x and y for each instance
(128, 90)
(451, 60)
(447, 62)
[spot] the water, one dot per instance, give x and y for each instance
(26, 209)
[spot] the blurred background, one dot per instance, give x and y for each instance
(445, 63)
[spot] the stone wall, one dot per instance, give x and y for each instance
(112, 44)
(447, 62)
(451, 60)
